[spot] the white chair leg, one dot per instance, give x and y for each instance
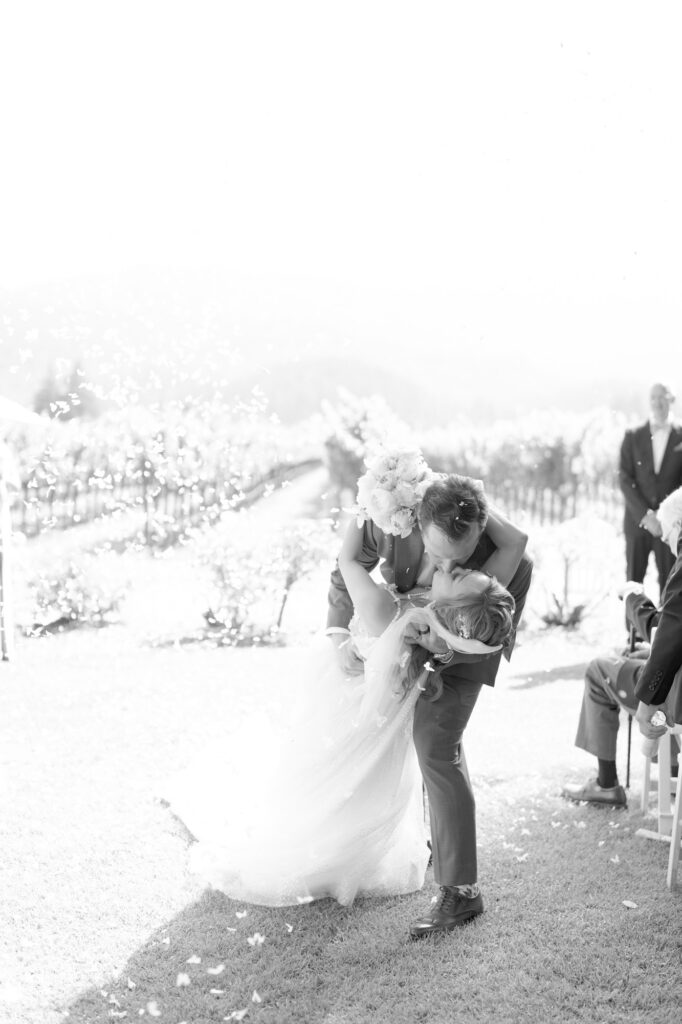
(646, 785)
(665, 816)
(676, 831)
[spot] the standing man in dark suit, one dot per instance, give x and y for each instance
(650, 468)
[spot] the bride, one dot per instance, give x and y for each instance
(327, 802)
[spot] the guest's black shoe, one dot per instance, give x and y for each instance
(592, 793)
(450, 910)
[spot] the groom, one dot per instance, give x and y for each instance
(451, 533)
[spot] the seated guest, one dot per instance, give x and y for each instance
(640, 682)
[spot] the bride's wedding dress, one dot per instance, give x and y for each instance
(324, 801)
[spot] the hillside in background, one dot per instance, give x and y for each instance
(164, 335)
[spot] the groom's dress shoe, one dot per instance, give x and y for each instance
(593, 793)
(450, 910)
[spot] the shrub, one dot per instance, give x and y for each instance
(241, 609)
(87, 592)
(575, 563)
(251, 586)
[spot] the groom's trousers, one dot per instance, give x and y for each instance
(438, 729)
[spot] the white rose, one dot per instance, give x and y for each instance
(381, 505)
(410, 465)
(404, 494)
(422, 487)
(389, 480)
(402, 522)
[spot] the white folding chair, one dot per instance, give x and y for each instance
(668, 819)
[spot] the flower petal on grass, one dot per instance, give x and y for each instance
(194, 960)
(615, 860)
(255, 998)
(289, 927)
(629, 904)
(217, 991)
(182, 980)
(216, 970)
(241, 913)
(153, 1009)
(256, 939)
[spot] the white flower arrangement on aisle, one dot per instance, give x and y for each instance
(390, 491)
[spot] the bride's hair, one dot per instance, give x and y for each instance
(486, 615)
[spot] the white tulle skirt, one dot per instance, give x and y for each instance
(324, 800)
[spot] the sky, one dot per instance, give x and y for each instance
(497, 180)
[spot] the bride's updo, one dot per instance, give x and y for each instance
(486, 615)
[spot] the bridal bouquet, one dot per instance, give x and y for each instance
(391, 489)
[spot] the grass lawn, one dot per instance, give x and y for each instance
(100, 919)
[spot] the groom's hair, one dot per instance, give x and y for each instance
(453, 504)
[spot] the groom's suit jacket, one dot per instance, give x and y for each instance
(659, 679)
(642, 488)
(399, 559)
